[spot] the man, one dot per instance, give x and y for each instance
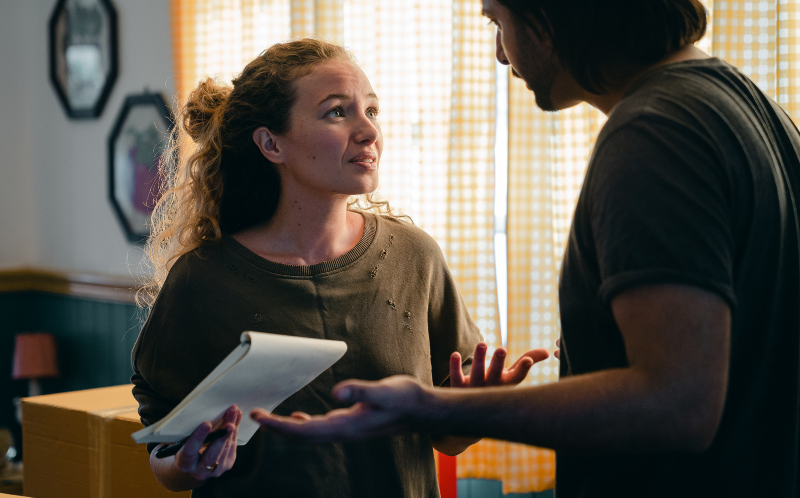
(679, 293)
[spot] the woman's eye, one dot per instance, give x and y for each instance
(336, 112)
(372, 113)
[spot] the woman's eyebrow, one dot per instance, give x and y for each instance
(341, 96)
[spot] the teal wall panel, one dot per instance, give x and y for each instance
(487, 488)
(94, 341)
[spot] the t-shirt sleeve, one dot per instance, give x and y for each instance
(660, 210)
(450, 326)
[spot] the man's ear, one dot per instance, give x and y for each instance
(268, 145)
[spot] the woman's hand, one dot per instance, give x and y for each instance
(203, 461)
(495, 375)
(479, 376)
(198, 461)
(557, 352)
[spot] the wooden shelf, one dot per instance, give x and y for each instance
(101, 287)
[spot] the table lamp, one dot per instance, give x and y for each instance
(34, 359)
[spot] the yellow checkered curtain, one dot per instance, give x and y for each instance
(432, 66)
(217, 38)
(469, 243)
(410, 66)
(761, 39)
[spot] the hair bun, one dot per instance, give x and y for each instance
(204, 108)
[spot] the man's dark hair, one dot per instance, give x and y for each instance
(596, 39)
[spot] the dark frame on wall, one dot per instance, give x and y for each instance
(83, 55)
(136, 148)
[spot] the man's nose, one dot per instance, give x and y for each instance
(499, 52)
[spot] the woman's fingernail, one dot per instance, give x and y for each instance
(345, 394)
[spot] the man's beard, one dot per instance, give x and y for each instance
(540, 82)
(540, 68)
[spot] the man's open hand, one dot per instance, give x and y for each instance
(380, 408)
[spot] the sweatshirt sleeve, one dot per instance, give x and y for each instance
(450, 325)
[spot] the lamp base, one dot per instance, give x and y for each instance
(34, 389)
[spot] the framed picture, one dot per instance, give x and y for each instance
(136, 147)
(83, 55)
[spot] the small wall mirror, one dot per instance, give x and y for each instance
(83, 55)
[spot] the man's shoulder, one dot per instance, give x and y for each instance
(700, 104)
(687, 91)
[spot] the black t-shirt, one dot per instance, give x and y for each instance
(688, 185)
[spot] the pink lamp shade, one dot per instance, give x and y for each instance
(35, 356)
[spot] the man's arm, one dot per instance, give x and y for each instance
(669, 398)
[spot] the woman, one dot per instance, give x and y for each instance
(257, 233)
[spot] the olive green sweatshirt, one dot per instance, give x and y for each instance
(391, 298)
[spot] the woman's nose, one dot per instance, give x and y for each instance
(367, 131)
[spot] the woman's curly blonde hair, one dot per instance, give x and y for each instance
(215, 177)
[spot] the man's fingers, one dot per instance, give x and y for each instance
(494, 374)
(344, 424)
(316, 428)
(457, 378)
(352, 391)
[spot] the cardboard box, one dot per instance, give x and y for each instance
(79, 445)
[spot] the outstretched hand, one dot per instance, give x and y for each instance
(495, 375)
(381, 408)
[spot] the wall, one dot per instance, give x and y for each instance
(54, 208)
(17, 221)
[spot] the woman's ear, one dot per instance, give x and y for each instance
(265, 140)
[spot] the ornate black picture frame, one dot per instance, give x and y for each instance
(83, 55)
(136, 147)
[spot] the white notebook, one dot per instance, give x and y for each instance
(261, 372)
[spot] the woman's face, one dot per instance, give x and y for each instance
(334, 143)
